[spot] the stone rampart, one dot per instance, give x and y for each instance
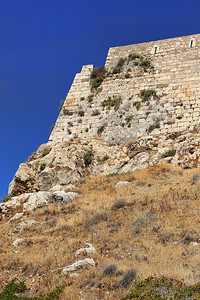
(173, 104)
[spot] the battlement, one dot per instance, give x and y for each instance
(173, 83)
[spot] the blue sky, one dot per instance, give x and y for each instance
(44, 43)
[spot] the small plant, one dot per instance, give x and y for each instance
(137, 104)
(129, 118)
(128, 75)
(97, 77)
(86, 129)
(146, 65)
(45, 152)
(134, 56)
(67, 112)
(142, 222)
(169, 153)
(119, 203)
(179, 117)
(96, 218)
(147, 113)
(52, 127)
(154, 126)
(42, 166)
(88, 157)
(110, 270)
(90, 98)
(113, 101)
(112, 175)
(127, 279)
(7, 198)
(116, 70)
(12, 288)
(147, 94)
(81, 113)
(82, 98)
(100, 129)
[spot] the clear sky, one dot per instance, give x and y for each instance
(44, 43)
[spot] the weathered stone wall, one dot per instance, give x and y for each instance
(175, 108)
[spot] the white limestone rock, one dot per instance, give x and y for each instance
(25, 224)
(88, 249)
(16, 217)
(122, 183)
(78, 265)
(17, 242)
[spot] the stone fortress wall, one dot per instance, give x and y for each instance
(175, 106)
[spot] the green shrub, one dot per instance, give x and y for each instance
(134, 56)
(12, 288)
(113, 101)
(168, 153)
(82, 98)
(100, 129)
(137, 104)
(45, 152)
(7, 198)
(86, 129)
(128, 75)
(88, 157)
(128, 119)
(147, 94)
(81, 113)
(116, 70)
(146, 65)
(42, 166)
(97, 77)
(152, 127)
(90, 98)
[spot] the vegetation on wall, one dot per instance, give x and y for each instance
(97, 76)
(113, 101)
(147, 94)
(88, 157)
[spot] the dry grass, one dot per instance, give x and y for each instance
(162, 203)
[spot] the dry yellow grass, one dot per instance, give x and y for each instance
(157, 233)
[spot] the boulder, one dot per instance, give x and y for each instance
(24, 225)
(16, 217)
(78, 265)
(88, 249)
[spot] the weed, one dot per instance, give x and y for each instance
(88, 157)
(45, 152)
(119, 203)
(42, 166)
(112, 175)
(110, 270)
(96, 218)
(97, 77)
(90, 98)
(128, 75)
(52, 127)
(137, 104)
(129, 118)
(142, 222)
(113, 101)
(127, 279)
(116, 70)
(146, 65)
(147, 94)
(82, 98)
(7, 198)
(154, 126)
(168, 153)
(86, 129)
(81, 113)
(100, 129)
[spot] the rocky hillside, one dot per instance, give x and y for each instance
(100, 237)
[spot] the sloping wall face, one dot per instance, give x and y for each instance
(133, 101)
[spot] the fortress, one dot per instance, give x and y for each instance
(147, 88)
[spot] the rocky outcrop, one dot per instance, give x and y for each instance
(66, 163)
